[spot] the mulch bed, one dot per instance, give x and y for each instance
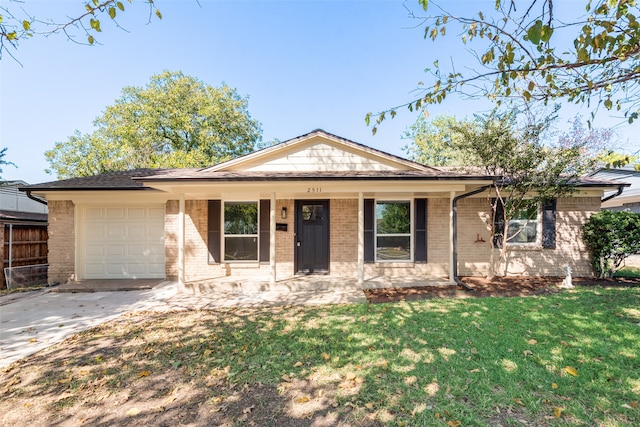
(496, 287)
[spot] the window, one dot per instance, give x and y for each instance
(393, 231)
(240, 231)
(524, 227)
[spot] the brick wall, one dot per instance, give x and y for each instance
(343, 237)
(474, 243)
(62, 240)
(474, 222)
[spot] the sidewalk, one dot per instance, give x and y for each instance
(35, 320)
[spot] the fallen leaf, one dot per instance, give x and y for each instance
(206, 353)
(325, 356)
(634, 404)
(133, 412)
(571, 371)
(33, 340)
(454, 423)
(286, 378)
(64, 380)
(368, 405)
(303, 399)
(532, 341)
(144, 374)
(248, 409)
(626, 406)
(519, 401)
(557, 411)
(554, 385)
(350, 376)
(473, 371)
(298, 364)
(527, 353)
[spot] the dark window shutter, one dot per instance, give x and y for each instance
(420, 230)
(498, 223)
(369, 230)
(213, 226)
(549, 225)
(265, 233)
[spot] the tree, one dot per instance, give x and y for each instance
(531, 171)
(433, 142)
(175, 121)
(18, 24)
(3, 162)
(611, 237)
(522, 54)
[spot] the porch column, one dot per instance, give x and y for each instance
(360, 239)
(181, 233)
(451, 231)
(272, 240)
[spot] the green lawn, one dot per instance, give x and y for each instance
(564, 359)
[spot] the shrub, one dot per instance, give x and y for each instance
(611, 237)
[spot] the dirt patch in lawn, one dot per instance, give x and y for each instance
(496, 287)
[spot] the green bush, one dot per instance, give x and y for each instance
(611, 237)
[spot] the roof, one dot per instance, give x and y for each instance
(15, 216)
(120, 180)
(232, 171)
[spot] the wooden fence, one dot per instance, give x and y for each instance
(25, 245)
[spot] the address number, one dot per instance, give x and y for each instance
(314, 189)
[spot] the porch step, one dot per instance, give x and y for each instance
(304, 283)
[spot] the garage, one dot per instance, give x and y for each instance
(122, 242)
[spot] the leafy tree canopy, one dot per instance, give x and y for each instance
(522, 53)
(17, 24)
(175, 121)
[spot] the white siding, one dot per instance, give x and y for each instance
(320, 157)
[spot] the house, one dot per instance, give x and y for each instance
(629, 198)
(315, 204)
(23, 233)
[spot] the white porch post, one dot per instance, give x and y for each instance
(360, 239)
(181, 233)
(272, 240)
(451, 266)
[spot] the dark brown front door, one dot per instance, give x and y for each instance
(312, 236)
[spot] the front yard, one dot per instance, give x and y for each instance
(569, 358)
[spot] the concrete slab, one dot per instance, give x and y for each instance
(41, 319)
(108, 285)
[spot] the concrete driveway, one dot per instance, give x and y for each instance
(34, 321)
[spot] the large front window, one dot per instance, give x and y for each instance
(240, 231)
(393, 231)
(525, 225)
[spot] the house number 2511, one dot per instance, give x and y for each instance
(314, 190)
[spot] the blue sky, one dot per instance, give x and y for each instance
(303, 64)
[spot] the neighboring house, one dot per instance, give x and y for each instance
(629, 199)
(23, 236)
(317, 203)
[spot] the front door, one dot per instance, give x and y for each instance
(312, 236)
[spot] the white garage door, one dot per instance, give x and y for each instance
(123, 242)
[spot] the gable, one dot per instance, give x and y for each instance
(318, 151)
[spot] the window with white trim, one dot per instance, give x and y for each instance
(240, 231)
(393, 230)
(525, 227)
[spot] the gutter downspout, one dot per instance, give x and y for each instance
(611, 196)
(454, 206)
(32, 197)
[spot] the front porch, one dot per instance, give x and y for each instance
(311, 282)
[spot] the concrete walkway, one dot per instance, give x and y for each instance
(33, 321)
